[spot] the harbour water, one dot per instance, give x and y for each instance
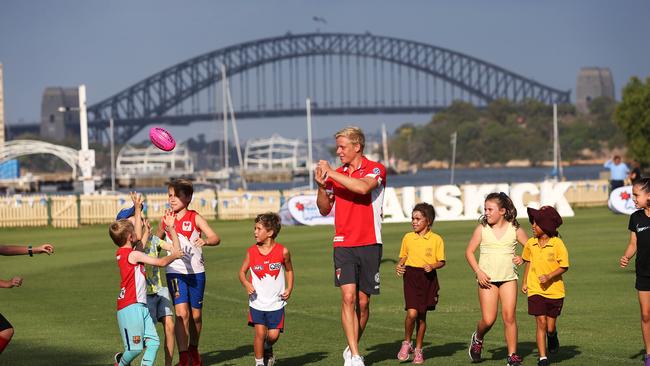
(424, 177)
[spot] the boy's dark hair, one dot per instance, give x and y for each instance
(120, 230)
(427, 210)
(644, 184)
(182, 186)
(270, 221)
(503, 201)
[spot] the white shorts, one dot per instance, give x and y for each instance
(160, 304)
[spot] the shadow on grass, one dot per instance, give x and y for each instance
(220, 357)
(529, 349)
(441, 350)
(306, 359)
(232, 357)
(24, 353)
(388, 351)
(638, 355)
(391, 260)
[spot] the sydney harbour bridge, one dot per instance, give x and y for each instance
(341, 73)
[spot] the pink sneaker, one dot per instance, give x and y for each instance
(418, 357)
(405, 351)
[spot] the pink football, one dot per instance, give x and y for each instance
(162, 139)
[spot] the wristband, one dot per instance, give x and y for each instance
(29, 251)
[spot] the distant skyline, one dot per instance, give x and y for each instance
(111, 45)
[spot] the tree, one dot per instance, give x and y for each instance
(633, 116)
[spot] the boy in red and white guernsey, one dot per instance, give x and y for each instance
(357, 187)
(269, 286)
(136, 326)
(186, 276)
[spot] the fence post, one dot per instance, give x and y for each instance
(49, 210)
(78, 209)
(216, 207)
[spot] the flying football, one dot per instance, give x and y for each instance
(162, 139)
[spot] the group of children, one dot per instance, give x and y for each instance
(144, 298)
(270, 280)
(496, 236)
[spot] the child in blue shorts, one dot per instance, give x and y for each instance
(270, 267)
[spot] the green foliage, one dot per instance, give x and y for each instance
(633, 116)
(505, 131)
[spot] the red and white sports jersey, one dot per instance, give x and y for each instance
(192, 261)
(357, 217)
(267, 277)
(133, 284)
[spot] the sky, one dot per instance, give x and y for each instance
(110, 45)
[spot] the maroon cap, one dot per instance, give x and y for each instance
(546, 218)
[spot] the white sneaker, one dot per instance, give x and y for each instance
(357, 361)
(347, 356)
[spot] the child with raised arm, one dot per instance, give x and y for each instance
(421, 254)
(158, 299)
(186, 276)
(6, 329)
(639, 244)
(136, 326)
(269, 286)
(546, 260)
(496, 272)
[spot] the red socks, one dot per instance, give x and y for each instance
(184, 358)
(194, 353)
(3, 343)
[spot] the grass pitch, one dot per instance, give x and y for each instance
(64, 314)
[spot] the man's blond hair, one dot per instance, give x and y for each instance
(354, 134)
(120, 230)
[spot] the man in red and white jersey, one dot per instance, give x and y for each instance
(357, 188)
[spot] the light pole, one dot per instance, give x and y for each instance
(111, 125)
(309, 153)
(86, 155)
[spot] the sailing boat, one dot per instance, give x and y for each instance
(557, 172)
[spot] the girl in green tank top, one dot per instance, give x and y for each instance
(497, 236)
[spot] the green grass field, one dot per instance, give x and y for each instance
(64, 314)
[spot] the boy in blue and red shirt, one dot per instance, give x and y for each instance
(269, 286)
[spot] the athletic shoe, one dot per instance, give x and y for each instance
(543, 362)
(552, 342)
(475, 348)
(356, 361)
(514, 360)
(269, 358)
(418, 357)
(405, 351)
(117, 358)
(347, 356)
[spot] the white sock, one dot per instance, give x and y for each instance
(259, 362)
(542, 358)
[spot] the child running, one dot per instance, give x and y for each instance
(186, 276)
(6, 329)
(639, 244)
(546, 260)
(496, 273)
(136, 326)
(422, 253)
(269, 287)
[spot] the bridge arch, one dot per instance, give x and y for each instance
(152, 99)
